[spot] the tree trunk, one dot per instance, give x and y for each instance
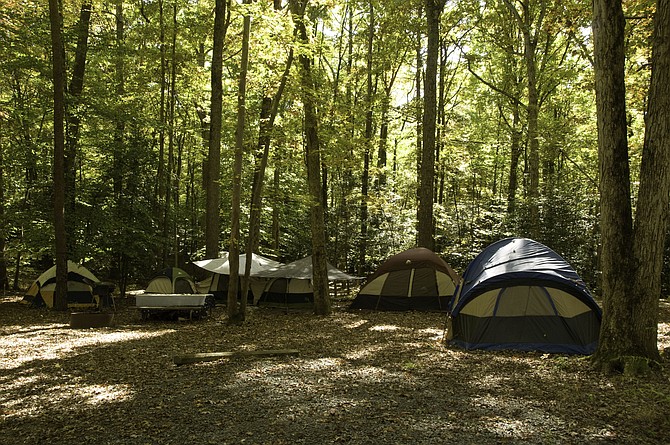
(365, 178)
(630, 318)
(615, 209)
(651, 216)
(313, 157)
(213, 186)
(120, 127)
(73, 121)
(236, 314)
(530, 25)
(60, 297)
(160, 181)
(269, 110)
(4, 278)
(419, 115)
(427, 172)
(515, 154)
(275, 209)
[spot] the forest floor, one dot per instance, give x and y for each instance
(359, 378)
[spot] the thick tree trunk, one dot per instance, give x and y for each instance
(313, 156)
(427, 171)
(60, 297)
(651, 216)
(213, 186)
(615, 209)
(631, 305)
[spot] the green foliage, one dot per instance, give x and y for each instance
(122, 217)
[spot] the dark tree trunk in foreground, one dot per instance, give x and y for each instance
(213, 186)
(631, 255)
(651, 216)
(60, 297)
(313, 156)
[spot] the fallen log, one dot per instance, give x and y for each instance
(212, 356)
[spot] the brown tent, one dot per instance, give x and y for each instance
(416, 279)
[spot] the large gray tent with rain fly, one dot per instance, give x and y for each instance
(217, 284)
(290, 285)
(519, 294)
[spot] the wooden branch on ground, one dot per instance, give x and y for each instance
(212, 356)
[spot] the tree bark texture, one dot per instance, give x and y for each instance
(73, 122)
(60, 297)
(213, 185)
(365, 177)
(651, 215)
(313, 157)
(237, 313)
(427, 170)
(615, 208)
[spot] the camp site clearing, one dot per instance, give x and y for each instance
(355, 377)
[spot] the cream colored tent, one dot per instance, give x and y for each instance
(80, 283)
(172, 280)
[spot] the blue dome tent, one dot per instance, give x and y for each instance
(519, 294)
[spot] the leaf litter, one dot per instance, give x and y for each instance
(360, 378)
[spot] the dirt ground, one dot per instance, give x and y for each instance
(359, 378)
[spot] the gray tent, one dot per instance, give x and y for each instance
(220, 269)
(290, 285)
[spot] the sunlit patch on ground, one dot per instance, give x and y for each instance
(97, 394)
(432, 333)
(44, 392)
(38, 343)
(356, 324)
(664, 336)
(384, 328)
(363, 352)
